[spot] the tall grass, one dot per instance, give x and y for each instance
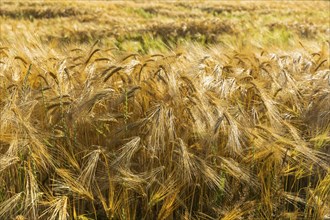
(218, 133)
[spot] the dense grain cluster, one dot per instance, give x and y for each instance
(193, 134)
(132, 110)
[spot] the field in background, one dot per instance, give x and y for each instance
(183, 110)
(143, 27)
